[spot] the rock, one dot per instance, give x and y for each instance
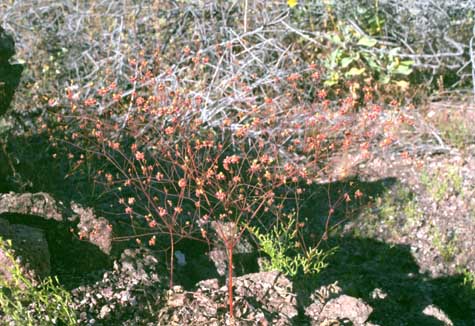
(377, 293)
(7, 46)
(219, 258)
(9, 74)
(265, 298)
(37, 204)
(211, 284)
(244, 253)
(345, 308)
(126, 295)
(30, 249)
(438, 314)
(320, 297)
(314, 310)
(272, 289)
(95, 229)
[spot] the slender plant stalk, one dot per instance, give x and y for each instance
(230, 280)
(172, 259)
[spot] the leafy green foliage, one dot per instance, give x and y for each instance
(280, 245)
(355, 55)
(469, 278)
(25, 304)
(447, 247)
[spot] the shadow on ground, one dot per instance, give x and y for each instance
(361, 265)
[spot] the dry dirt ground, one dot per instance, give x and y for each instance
(420, 204)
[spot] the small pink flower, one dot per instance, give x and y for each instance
(52, 102)
(128, 210)
(159, 176)
(220, 195)
(139, 156)
(117, 97)
(114, 145)
(169, 130)
(347, 197)
(90, 102)
(254, 167)
(182, 183)
(102, 91)
(162, 212)
(199, 192)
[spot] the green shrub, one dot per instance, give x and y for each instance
(280, 245)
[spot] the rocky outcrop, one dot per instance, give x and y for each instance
(95, 229)
(41, 205)
(259, 299)
(25, 227)
(31, 251)
(345, 308)
(9, 74)
(127, 295)
(35, 204)
(330, 307)
(437, 313)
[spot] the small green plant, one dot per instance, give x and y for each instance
(446, 247)
(412, 212)
(408, 205)
(24, 304)
(441, 184)
(468, 278)
(453, 175)
(454, 125)
(396, 208)
(457, 134)
(280, 245)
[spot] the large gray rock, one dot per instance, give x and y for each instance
(345, 308)
(30, 251)
(37, 204)
(95, 229)
(127, 295)
(437, 313)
